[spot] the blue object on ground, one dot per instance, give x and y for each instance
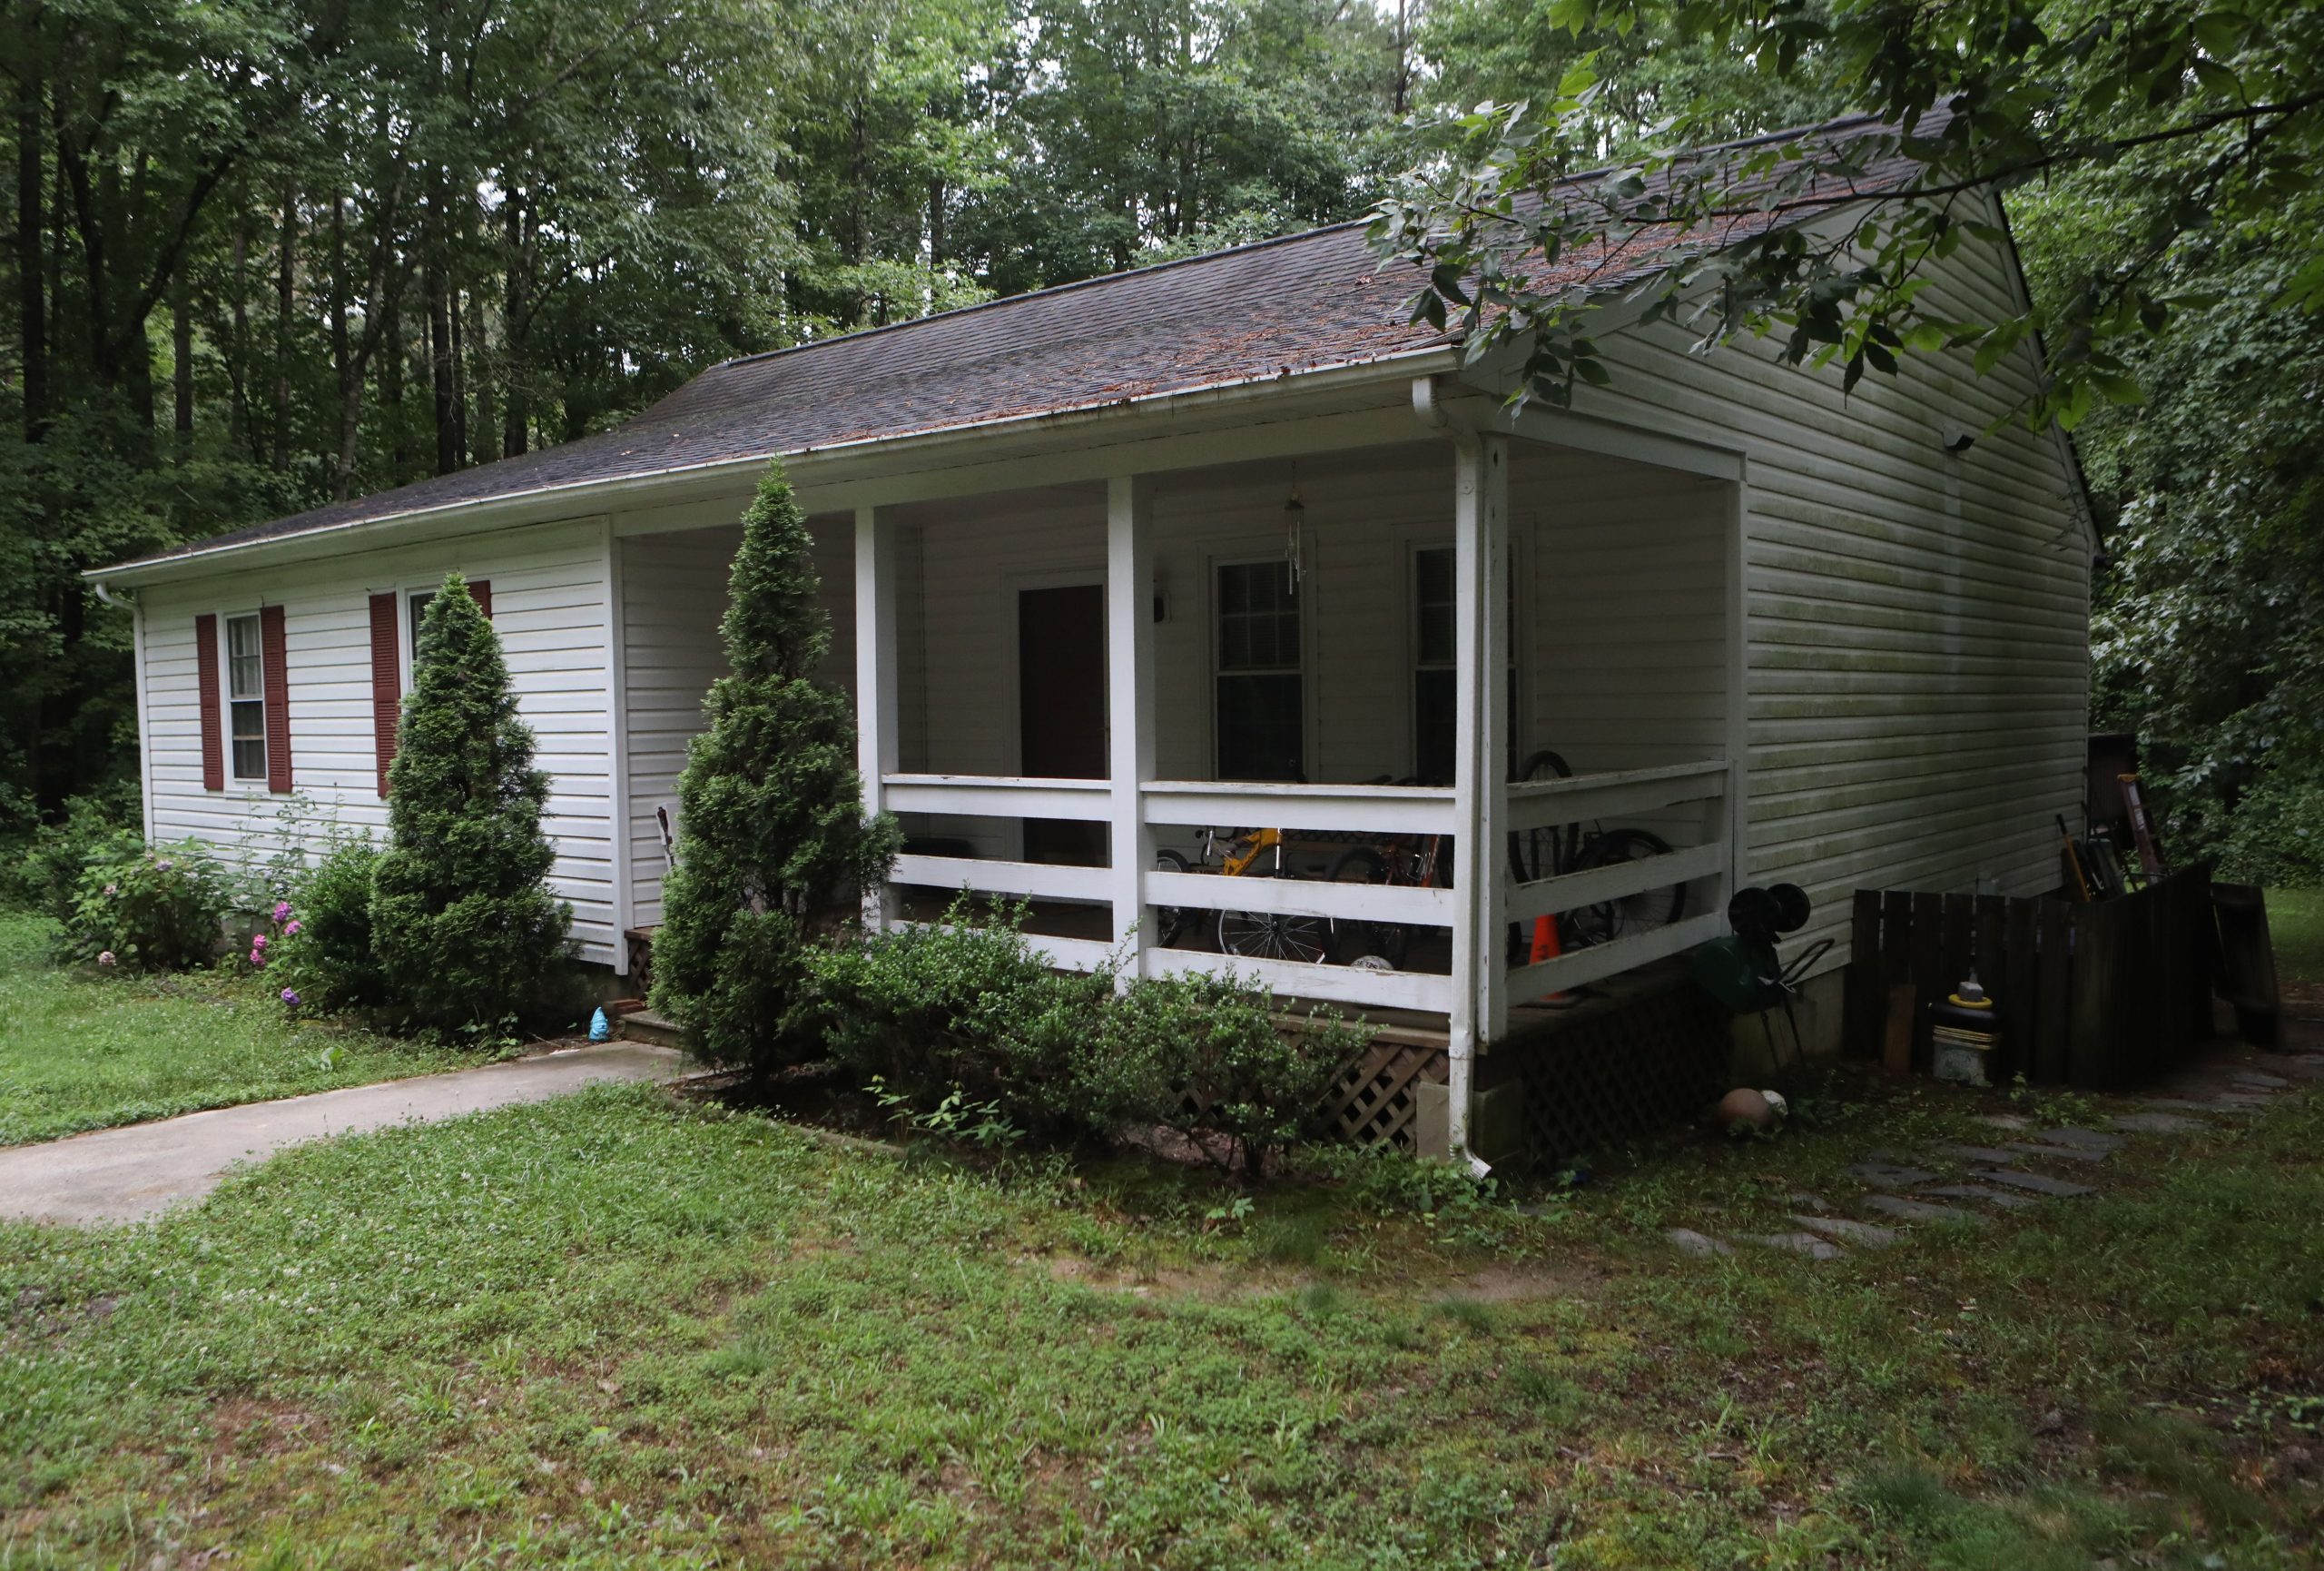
(600, 1028)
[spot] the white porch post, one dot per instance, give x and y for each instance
(876, 732)
(1479, 1007)
(1737, 804)
(1130, 702)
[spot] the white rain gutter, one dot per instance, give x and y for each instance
(804, 462)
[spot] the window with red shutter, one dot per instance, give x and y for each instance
(275, 650)
(387, 683)
(207, 677)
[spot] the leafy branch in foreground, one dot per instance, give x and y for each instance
(1822, 237)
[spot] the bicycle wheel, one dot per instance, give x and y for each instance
(1541, 852)
(1352, 939)
(1171, 923)
(1612, 919)
(1273, 936)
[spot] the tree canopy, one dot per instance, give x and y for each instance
(264, 253)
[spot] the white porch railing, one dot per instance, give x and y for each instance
(1340, 814)
(1585, 799)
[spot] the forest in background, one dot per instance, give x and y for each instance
(265, 253)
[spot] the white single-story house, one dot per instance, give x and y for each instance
(1229, 542)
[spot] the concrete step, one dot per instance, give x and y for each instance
(644, 1025)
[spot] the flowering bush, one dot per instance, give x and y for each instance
(160, 908)
(321, 951)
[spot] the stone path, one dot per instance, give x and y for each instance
(129, 1174)
(1904, 1189)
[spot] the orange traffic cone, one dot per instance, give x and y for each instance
(1545, 945)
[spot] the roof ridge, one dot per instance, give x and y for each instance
(1096, 280)
(1045, 291)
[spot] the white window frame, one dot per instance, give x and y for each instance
(230, 702)
(1520, 626)
(407, 626)
(1306, 590)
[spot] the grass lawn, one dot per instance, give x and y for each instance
(621, 1329)
(2295, 924)
(82, 1052)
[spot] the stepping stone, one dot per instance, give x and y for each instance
(2009, 1121)
(2157, 1124)
(2264, 1082)
(2040, 1183)
(1883, 1175)
(2085, 1138)
(2184, 1104)
(1922, 1212)
(2051, 1152)
(1994, 1197)
(1869, 1234)
(1980, 1153)
(1808, 1244)
(1700, 1245)
(1809, 1202)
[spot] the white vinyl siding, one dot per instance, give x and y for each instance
(548, 607)
(673, 594)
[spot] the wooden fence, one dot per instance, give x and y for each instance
(2092, 995)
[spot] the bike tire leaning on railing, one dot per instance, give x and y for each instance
(1352, 939)
(1274, 935)
(1172, 922)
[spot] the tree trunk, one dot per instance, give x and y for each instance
(391, 387)
(31, 309)
(182, 361)
(439, 341)
(514, 326)
(238, 347)
(286, 280)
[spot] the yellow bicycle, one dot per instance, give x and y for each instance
(1253, 935)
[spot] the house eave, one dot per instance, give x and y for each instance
(812, 469)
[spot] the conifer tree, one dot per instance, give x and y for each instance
(466, 931)
(772, 810)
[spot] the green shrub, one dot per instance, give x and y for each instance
(466, 933)
(969, 1013)
(47, 873)
(2275, 837)
(773, 812)
(158, 909)
(324, 955)
(1206, 1055)
(964, 1008)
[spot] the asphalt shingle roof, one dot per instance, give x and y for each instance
(1276, 307)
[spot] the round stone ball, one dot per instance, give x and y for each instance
(1744, 1109)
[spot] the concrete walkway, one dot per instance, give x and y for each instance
(129, 1174)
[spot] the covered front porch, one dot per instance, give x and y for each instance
(1286, 713)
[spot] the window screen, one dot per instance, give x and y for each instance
(1261, 696)
(418, 600)
(1435, 668)
(246, 698)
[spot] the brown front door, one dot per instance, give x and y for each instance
(1061, 709)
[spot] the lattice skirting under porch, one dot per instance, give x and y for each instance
(1617, 1070)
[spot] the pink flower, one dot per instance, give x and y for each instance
(290, 998)
(112, 889)
(258, 941)
(258, 957)
(289, 927)
(162, 865)
(105, 959)
(281, 911)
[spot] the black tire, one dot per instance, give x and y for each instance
(1544, 853)
(1353, 940)
(1267, 936)
(1171, 923)
(1612, 919)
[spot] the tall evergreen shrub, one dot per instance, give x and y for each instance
(466, 933)
(772, 809)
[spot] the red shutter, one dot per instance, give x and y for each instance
(205, 672)
(480, 591)
(274, 653)
(387, 683)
